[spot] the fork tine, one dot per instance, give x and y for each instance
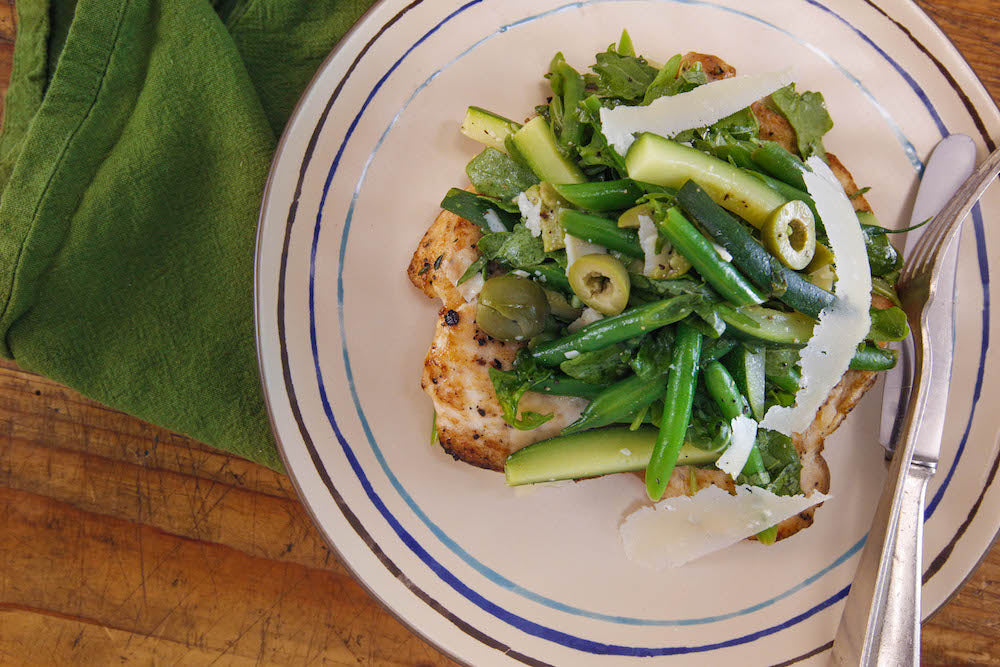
(926, 255)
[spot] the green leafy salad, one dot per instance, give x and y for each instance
(672, 281)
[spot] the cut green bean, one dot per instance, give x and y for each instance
(732, 403)
(610, 330)
(551, 275)
(618, 402)
(719, 273)
(603, 232)
(779, 163)
(677, 403)
(601, 195)
(563, 385)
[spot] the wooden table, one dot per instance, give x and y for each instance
(120, 541)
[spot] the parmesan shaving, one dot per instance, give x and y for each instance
(736, 455)
(648, 238)
(842, 326)
(678, 530)
(706, 104)
(588, 316)
(454, 268)
(577, 248)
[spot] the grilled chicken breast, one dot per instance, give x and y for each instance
(456, 371)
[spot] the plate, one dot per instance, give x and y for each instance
(490, 575)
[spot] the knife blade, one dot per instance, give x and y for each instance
(950, 163)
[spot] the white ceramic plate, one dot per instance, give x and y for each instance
(492, 576)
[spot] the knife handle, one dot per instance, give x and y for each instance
(881, 623)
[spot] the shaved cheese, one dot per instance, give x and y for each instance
(588, 316)
(668, 115)
(648, 238)
(842, 326)
(678, 530)
(577, 248)
(723, 253)
(493, 221)
(736, 455)
(531, 211)
(454, 268)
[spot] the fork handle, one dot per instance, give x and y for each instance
(881, 622)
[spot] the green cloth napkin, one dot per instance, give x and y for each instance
(137, 138)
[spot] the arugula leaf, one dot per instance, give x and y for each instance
(510, 386)
(653, 357)
(620, 77)
(888, 324)
(781, 461)
(597, 155)
(517, 249)
(475, 208)
(807, 115)
(496, 174)
(665, 81)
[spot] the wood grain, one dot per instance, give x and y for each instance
(123, 542)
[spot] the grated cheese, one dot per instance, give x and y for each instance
(706, 104)
(678, 530)
(842, 326)
(531, 212)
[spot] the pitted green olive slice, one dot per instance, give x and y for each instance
(601, 282)
(790, 234)
(512, 308)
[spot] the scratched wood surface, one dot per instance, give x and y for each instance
(123, 542)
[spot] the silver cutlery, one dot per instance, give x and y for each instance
(881, 621)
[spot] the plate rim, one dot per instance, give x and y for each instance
(281, 149)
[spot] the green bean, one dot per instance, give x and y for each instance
(603, 232)
(563, 385)
(610, 330)
(617, 402)
(551, 275)
(749, 255)
(779, 163)
(601, 195)
(873, 358)
(713, 350)
(779, 368)
(719, 273)
(677, 404)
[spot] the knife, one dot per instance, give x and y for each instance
(950, 163)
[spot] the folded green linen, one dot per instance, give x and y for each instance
(136, 143)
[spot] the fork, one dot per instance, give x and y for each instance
(881, 622)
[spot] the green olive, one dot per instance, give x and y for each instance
(630, 218)
(823, 257)
(512, 308)
(560, 307)
(601, 282)
(790, 234)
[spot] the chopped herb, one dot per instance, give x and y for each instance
(437, 262)
(473, 269)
